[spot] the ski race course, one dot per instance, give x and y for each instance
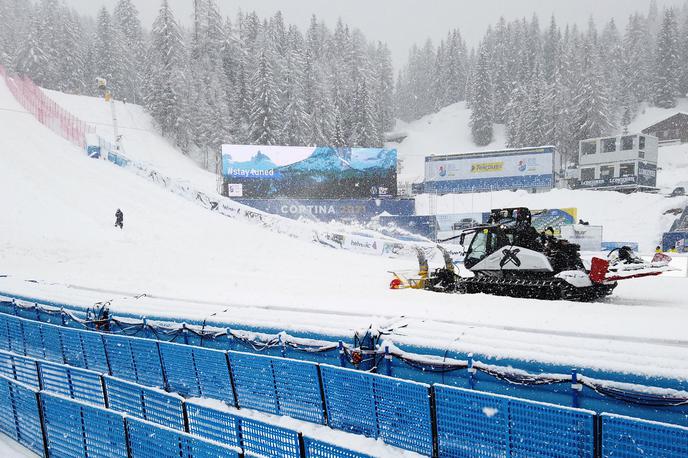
(176, 261)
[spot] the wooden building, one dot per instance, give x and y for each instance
(673, 130)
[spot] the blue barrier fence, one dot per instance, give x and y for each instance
(433, 420)
(542, 382)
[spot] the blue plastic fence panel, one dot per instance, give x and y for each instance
(471, 424)
(218, 425)
(180, 369)
(4, 337)
(254, 382)
(6, 365)
(73, 349)
(319, 449)
(263, 439)
(72, 382)
(75, 429)
(15, 334)
(33, 339)
(94, 352)
(213, 374)
(349, 399)
(63, 427)
(624, 437)
(403, 413)
(118, 350)
(147, 440)
(149, 404)
(137, 360)
(26, 416)
(147, 361)
(20, 368)
(277, 385)
(7, 422)
(104, 432)
(298, 390)
(52, 343)
(544, 430)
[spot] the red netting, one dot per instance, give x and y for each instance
(48, 113)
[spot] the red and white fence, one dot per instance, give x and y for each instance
(48, 113)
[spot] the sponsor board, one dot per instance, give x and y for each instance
(363, 244)
(310, 172)
(346, 210)
(490, 171)
(609, 246)
(588, 237)
(235, 190)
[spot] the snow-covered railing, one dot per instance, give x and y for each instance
(45, 110)
(373, 356)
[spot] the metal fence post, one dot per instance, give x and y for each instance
(41, 418)
(322, 394)
(433, 422)
(576, 388)
(388, 361)
(342, 355)
(471, 372)
(231, 380)
(302, 446)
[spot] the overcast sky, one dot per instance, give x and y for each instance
(403, 22)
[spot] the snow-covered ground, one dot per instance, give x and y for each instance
(11, 449)
(57, 226)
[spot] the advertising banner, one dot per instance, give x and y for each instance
(310, 172)
(609, 246)
(608, 181)
(555, 218)
(647, 174)
(588, 237)
(346, 210)
(490, 171)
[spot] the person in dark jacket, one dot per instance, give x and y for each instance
(119, 219)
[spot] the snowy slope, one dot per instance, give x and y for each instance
(57, 226)
(140, 140)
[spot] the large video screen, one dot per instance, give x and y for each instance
(490, 171)
(268, 172)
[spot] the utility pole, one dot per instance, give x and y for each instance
(102, 85)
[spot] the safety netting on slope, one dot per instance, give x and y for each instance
(45, 110)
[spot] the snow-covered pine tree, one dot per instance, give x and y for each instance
(130, 33)
(293, 106)
(634, 85)
(668, 72)
(166, 94)
(39, 55)
(384, 88)
(109, 54)
(482, 105)
(264, 119)
(365, 133)
(502, 80)
(592, 106)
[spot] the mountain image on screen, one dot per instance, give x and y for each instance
(259, 161)
(373, 158)
(327, 173)
(323, 160)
